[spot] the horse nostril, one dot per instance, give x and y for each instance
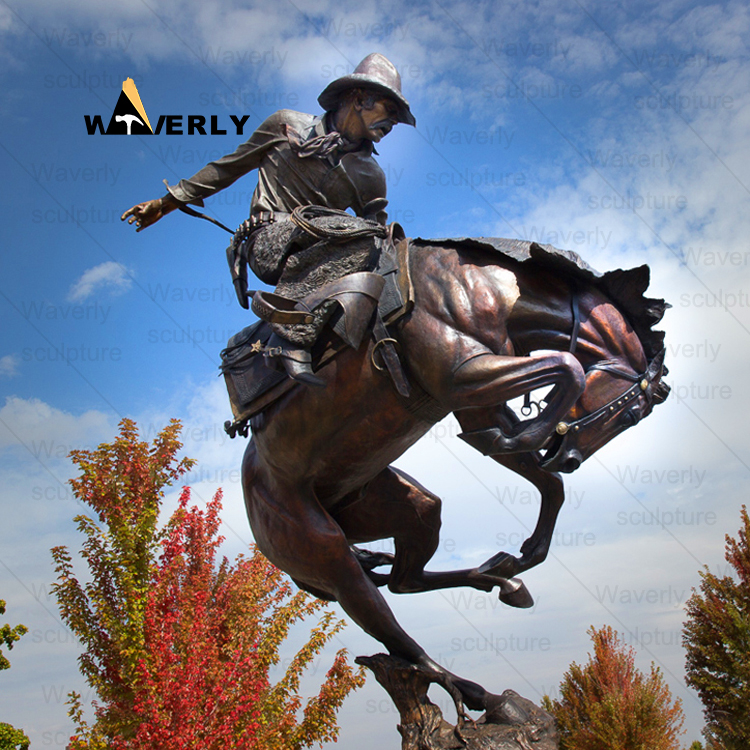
(571, 462)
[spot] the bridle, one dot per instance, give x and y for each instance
(643, 386)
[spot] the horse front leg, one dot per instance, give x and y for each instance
(535, 549)
(528, 465)
(489, 380)
(503, 567)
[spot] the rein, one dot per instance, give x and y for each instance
(198, 215)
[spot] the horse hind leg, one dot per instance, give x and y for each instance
(393, 505)
(318, 593)
(293, 530)
(296, 534)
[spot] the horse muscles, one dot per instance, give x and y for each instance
(486, 327)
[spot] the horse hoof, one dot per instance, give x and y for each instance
(507, 708)
(515, 594)
(501, 565)
(370, 559)
(489, 442)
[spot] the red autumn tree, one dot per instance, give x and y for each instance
(10, 738)
(610, 705)
(177, 646)
(716, 636)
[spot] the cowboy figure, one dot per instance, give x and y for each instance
(301, 160)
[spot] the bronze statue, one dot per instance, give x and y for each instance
(400, 334)
(301, 160)
(492, 320)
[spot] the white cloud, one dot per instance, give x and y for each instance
(9, 365)
(27, 420)
(110, 275)
(6, 19)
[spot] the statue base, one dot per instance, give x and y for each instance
(514, 723)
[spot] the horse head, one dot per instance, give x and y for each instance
(604, 410)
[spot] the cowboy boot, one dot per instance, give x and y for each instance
(297, 360)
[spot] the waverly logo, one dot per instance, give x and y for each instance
(130, 118)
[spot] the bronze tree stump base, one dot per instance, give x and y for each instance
(514, 723)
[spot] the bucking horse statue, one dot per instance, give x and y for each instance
(461, 326)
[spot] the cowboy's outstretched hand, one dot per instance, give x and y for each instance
(148, 213)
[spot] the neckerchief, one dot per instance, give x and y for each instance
(321, 145)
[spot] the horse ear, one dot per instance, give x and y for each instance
(656, 365)
(661, 392)
(655, 372)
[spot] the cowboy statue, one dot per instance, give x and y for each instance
(310, 170)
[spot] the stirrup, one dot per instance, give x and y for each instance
(296, 360)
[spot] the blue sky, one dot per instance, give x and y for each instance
(619, 132)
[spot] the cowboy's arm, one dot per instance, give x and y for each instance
(215, 176)
(219, 174)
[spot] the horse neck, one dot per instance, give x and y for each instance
(544, 318)
(607, 336)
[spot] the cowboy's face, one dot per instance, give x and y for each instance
(379, 120)
(368, 119)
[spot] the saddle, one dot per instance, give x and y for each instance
(388, 295)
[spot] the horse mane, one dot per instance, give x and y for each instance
(625, 287)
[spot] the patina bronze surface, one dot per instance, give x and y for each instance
(306, 160)
(326, 162)
(513, 723)
(485, 328)
(486, 321)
